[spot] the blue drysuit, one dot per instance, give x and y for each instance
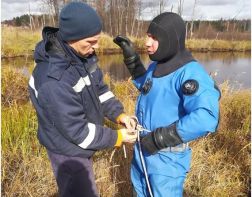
(195, 115)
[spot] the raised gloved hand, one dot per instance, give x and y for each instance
(131, 57)
(161, 138)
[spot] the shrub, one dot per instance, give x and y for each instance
(14, 87)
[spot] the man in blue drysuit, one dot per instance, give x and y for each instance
(178, 103)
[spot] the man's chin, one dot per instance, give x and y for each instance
(90, 53)
(87, 55)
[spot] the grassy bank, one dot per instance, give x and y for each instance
(18, 41)
(220, 167)
(202, 45)
(21, 42)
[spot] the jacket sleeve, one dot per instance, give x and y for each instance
(65, 111)
(112, 107)
(201, 108)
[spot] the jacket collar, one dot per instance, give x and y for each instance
(61, 55)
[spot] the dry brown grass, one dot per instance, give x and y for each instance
(217, 45)
(112, 165)
(14, 87)
(221, 162)
(220, 166)
(18, 41)
(25, 168)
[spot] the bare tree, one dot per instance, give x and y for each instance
(30, 17)
(139, 8)
(192, 20)
(171, 7)
(180, 7)
(53, 8)
(162, 4)
(118, 16)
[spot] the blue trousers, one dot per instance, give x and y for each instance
(166, 173)
(74, 175)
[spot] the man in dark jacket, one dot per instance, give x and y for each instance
(71, 100)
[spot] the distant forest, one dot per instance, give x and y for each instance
(124, 17)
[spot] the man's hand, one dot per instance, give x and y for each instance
(129, 122)
(128, 135)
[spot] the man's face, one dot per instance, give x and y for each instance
(151, 44)
(86, 46)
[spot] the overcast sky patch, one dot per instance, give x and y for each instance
(204, 9)
(14, 8)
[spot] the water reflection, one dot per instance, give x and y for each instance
(234, 67)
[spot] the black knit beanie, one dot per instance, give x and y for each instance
(78, 20)
(169, 29)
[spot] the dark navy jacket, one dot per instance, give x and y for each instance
(71, 99)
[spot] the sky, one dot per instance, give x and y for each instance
(204, 9)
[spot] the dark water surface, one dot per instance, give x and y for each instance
(234, 67)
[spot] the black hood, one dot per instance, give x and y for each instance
(177, 61)
(169, 29)
(48, 43)
(54, 48)
(53, 51)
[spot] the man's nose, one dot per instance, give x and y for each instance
(148, 42)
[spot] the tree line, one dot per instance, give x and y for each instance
(125, 17)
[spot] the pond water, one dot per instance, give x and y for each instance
(232, 67)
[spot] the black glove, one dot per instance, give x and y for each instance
(161, 138)
(131, 58)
